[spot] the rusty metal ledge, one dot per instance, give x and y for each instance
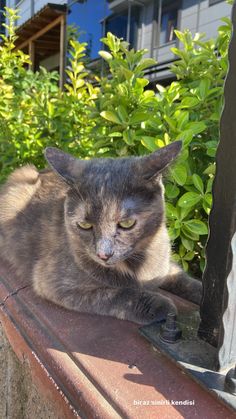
(93, 366)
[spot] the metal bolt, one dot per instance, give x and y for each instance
(170, 333)
(230, 381)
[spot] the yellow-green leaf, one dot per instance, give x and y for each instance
(110, 116)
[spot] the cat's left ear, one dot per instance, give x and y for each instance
(66, 166)
(153, 164)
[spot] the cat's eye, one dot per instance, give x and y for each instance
(126, 224)
(84, 225)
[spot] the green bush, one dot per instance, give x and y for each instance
(34, 112)
(118, 115)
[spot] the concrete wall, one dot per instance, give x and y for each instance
(146, 26)
(19, 397)
(200, 17)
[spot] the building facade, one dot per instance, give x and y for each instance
(146, 24)
(151, 25)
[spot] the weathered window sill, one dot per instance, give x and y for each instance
(92, 366)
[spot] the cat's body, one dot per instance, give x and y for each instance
(92, 236)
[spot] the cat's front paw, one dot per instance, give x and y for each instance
(154, 308)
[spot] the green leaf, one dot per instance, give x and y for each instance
(115, 134)
(182, 251)
(177, 224)
(189, 234)
(128, 136)
(207, 203)
(186, 136)
(210, 170)
(160, 143)
(149, 143)
(171, 122)
(184, 211)
(175, 257)
(198, 183)
(111, 116)
(171, 191)
(173, 233)
(182, 119)
(204, 87)
(185, 265)
(208, 199)
(211, 144)
(171, 211)
(188, 244)
(196, 127)
(211, 152)
(180, 35)
(189, 102)
(206, 208)
(138, 117)
(196, 226)
(179, 173)
(142, 82)
(189, 199)
(145, 63)
(189, 256)
(209, 185)
(122, 112)
(184, 155)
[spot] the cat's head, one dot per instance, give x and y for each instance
(113, 206)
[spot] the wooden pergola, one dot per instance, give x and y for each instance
(44, 35)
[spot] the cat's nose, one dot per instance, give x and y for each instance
(104, 248)
(104, 256)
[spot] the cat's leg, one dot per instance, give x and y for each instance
(179, 283)
(131, 302)
(124, 303)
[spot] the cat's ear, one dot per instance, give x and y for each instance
(152, 165)
(65, 165)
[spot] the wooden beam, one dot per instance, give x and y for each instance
(51, 25)
(53, 40)
(39, 43)
(32, 55)
(62, 50)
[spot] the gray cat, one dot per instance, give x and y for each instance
(91, 234)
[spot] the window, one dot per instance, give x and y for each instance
(124, 25)
(117, 24)
(166, 18)
(168, 25)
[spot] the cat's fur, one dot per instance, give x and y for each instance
(40, 237)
